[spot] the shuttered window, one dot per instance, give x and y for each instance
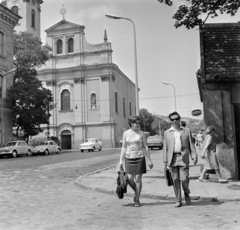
(65, 100)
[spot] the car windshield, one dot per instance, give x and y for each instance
(42, 143)
(11, 143)
(90, 140)
(153, 138)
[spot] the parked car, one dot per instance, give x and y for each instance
(91, 144)
(16, 148)
(155, 142)
(46, 147)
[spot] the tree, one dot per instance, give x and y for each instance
(31, 101)
(188, 13)
(146, 121)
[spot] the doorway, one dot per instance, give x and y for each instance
(237, 129)
(66, 139)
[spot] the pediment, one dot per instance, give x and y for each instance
(64, 26)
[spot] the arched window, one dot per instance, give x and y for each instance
(130, 108)
(124, 112)
(70, 45)
(116, 102)
(93, 99)
(14, 9)
(59, 46)
(65, 100)
(2, 43)
(33, 19)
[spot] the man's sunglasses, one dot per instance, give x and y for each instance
(136, 122)
(174, 119)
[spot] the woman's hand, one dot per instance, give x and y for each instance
(202, 156)
(150, 164)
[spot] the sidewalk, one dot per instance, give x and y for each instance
(154, 183)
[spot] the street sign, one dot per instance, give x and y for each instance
(196, 112)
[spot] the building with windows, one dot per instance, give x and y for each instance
(30, 11)
(92, 97)
(8, 20)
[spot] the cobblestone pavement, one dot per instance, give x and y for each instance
(46, 198)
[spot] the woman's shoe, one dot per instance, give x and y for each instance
(137, 204)
(202, 180)
(221, 180)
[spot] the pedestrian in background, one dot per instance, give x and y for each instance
(178, 147)
(134, 150)
(199, 138)
(209, 156)
(183, 123)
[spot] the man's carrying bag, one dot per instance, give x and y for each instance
(122, 182)
(168, 177)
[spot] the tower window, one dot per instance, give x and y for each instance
(65, 100)
(93, 99)
(59, 46)
(33, 19)
(70, 45)
(2, 43)
(116, 102)
(130, 108)
(14, 9)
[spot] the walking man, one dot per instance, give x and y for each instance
(178, 147)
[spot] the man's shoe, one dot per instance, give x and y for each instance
(178, 204)
(187, 199)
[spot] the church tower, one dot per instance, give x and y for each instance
(30, 11)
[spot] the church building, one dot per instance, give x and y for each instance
(92, 96)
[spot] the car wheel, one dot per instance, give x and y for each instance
(46, 152)
(100, 148)
(14, 154)
(29, 153)
(82, 151)
(89, 150)
(58, 151)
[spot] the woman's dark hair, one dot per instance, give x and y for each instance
(210, 129)
(133, 119)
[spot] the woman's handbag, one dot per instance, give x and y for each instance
(122, 182)
(168, 177)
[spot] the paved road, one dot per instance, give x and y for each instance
(46, 198)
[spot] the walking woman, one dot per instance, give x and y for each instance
(134, 150)
(209, 156)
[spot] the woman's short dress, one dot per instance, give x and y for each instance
(135, 162)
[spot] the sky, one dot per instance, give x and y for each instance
(164, 53)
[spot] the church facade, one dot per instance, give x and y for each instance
(92, 96)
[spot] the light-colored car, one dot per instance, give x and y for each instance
(91, 144)
(46, 147)
(16, 148)
(154, 142)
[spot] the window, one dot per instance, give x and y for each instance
(65, 100)
(130, 108)
(14, 9)
(59, 46)
(33, 19)
(93, 100)
(1, 43)
(70, 45)
(116, 102)
(124, 112)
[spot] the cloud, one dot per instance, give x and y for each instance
(96, 12)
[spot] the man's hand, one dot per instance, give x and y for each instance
(150, 164)
(195, 161)
(202, 156)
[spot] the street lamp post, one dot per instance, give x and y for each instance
(2, 90)
(166, 83)
(135, 54)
